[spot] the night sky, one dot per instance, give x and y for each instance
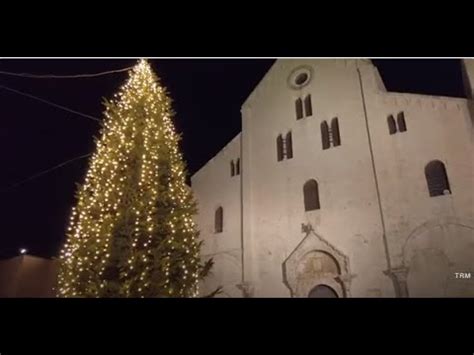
(207, 97)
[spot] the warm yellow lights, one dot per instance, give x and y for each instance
(131, 232)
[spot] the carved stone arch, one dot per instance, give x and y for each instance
(315, 261)
(225, 273)
(433, 252)
(428, 226)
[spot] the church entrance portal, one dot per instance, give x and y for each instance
(322, 291)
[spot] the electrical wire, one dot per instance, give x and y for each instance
(50, 103)
(41, 173)
(52, 76)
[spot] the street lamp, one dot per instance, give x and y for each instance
(23, 251)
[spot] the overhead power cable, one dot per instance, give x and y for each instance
(41, 173)
(53, 76)
(50, 103)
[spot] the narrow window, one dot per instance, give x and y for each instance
(237, 167)
(280, 148)
(402, 126)
(299, 109)
(308, 107)
(219, 220)
(437, 178)
(325, 134)
(392, 128)
(289, 146)
(336, 138)
(232, 168)
(311, 195)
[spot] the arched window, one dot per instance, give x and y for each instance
(308, 107)
(299, 108)
(279, 148)
(325, 134)
(289, 146)
(219, 220)
(392, 128)
(232, 168)
(237, 167)
(437, 178)
(402, 126)
(311, 195)
(336, 138)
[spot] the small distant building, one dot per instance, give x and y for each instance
(28, 276)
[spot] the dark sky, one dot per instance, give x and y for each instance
(207, 97)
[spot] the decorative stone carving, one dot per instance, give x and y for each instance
(315, 261)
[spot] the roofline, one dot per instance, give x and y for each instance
(215, 155)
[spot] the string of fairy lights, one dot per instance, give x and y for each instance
(135, 174)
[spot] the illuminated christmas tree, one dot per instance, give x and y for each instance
(131, 233)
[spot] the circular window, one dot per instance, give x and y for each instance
(300, 77)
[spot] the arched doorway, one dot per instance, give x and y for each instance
(322, 291)
(317, 274)
(316, 262)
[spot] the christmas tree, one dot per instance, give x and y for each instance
(131, 233)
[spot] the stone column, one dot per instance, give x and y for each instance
(399, 277)
(247, 289)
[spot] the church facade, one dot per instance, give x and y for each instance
(336, 187)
